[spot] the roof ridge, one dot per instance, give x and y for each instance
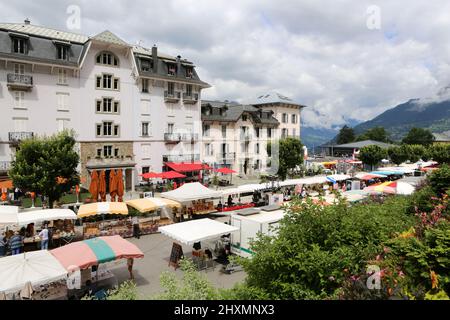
(42, 27)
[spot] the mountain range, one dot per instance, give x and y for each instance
(431, 113)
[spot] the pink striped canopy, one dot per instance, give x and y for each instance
(88, 253)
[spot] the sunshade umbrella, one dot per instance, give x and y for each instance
(112, 185)
(37, 267)
(88, 253)
(93, 188)
(92, 209)
(102, 186)
(368, 176)
(7, 184)
(172, 175)
(227, 171)
(120, 186)
(151, 175)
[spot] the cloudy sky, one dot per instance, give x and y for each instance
(343, 59)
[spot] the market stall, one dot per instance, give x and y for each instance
(196, 199)
(105, 227)
(192, 233)
(158, 211)
(35, 275)
(86, 261)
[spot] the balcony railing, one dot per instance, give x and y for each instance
(16, 137)
(226, 156)
(5, 166)
(172, 96)
(172, 137)
(190, 137)
(181, 158)
(19, 81)
(191, 98)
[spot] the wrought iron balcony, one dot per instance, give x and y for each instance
(191, 98)
(172, 96)
(16, 137)
(181, 158)
(172, 137)
(190, 137)
(226, 156)
(19, 81)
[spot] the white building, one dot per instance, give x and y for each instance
(132, 108)
(236, 136)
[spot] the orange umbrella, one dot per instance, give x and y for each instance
(93, 188)
(102, 186)
(120, 186)
(7, 184)
(112, 185)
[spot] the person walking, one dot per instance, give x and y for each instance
(136, 229)
(44, 238)
(130, 263)
(2, 245)
(16, 243)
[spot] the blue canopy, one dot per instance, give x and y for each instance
(388, 173)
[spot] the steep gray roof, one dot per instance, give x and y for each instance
(443, 136)
(109, 37)
(361, 144)
(272, 98)
(44, 32)
(232, 112)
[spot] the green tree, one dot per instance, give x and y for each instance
(376, 134)
(420, 136)
(46, 166)
(441, 153)
(397, 155)
(372, 154)
(346, 135)
(290, 155)
(416, 152)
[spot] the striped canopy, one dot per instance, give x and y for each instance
(152, 204)
(92, 209)
(88, 253)
(385, 187)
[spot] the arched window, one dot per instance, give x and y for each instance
(107, 58)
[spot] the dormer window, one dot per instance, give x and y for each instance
(62, 52)
(146, 65)
(172, 69)
(20, 45)
(107, 58)
(189, 72)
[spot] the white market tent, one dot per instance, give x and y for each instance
(38, 267)
(8, 214)
(194, 231)
(190, 192)
(404, 188)
(24, 218)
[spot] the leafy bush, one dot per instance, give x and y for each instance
(318, 246)
(440, 180)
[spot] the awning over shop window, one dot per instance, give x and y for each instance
(187, 166)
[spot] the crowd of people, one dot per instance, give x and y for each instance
(13, 241)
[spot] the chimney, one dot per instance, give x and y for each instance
(27, 21)
(155, 58)
(178, 66)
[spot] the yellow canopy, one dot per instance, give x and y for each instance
(152, 204)
(92, 209)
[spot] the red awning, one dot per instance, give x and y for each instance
(225, 171)
(187, 166)
(172, 175)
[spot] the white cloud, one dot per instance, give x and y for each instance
(320, 53)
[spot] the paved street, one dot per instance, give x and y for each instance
(157, 248)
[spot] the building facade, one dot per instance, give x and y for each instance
(237, 136)
(132, 108)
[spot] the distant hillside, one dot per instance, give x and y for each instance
(432, 114)
(315, 137)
